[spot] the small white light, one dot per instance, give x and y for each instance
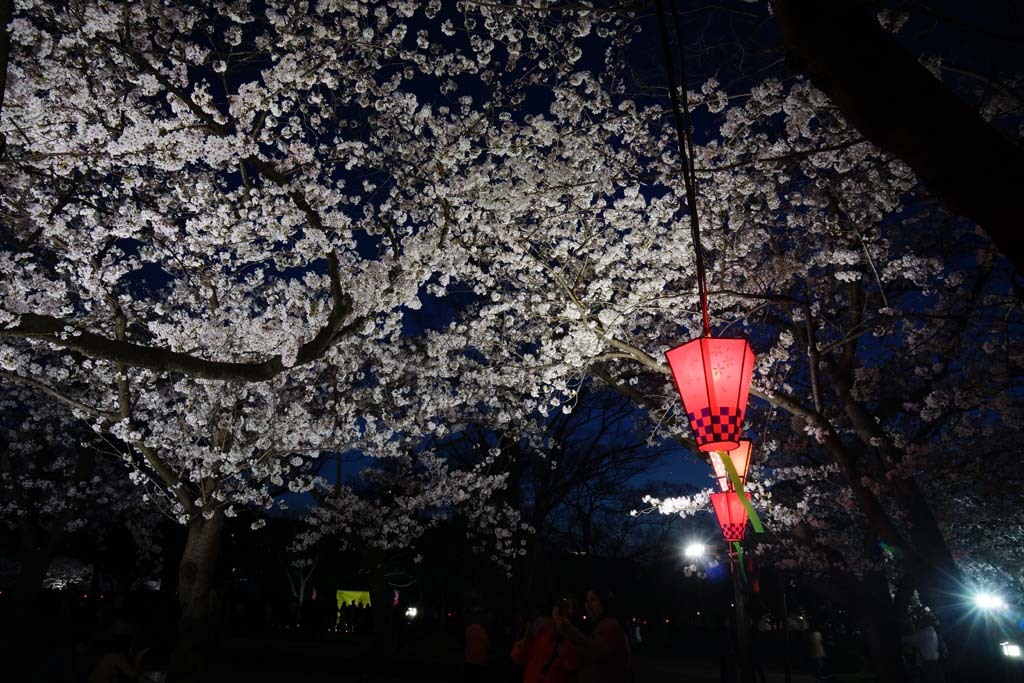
(411, 612)
(1010, 649)
(989, 601)
(694, 551)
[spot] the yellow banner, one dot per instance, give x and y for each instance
(359, 597)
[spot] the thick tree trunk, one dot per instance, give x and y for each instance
(935, 558)
(899, 106)
(6, 11)
(942, 587)
(881, 626)
(198, 566)
(381, 598)
(882, 645)
(196, 599)
(929, 561)
(867, 599)
(969, 637)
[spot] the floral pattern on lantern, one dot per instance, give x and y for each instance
(712, 376)
(731, 514)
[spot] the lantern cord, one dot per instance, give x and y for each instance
(681, 118)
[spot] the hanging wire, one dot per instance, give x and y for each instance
(681, 117)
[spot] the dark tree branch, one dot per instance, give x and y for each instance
(792, 156)
(6, 10)
(899, 106)
(56, 331)
(66, 400)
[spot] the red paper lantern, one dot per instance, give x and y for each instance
(731, 514)
(740, 460)
(713, 379)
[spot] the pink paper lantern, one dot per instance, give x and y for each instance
(740, 460)
(731, 514)
(713, 379)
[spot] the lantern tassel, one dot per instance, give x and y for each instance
(737, 486)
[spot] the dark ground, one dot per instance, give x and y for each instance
(256, 661)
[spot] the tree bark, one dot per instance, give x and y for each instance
(198, 566)
(967, 164)
(867, 599)
(881, 626)
(930, 562)
(381, 598)
(196, 574)
(882, 643)
(6, 12)
(941, 586)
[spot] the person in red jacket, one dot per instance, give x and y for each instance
(477, 649)
(547, 657)
(604, 654)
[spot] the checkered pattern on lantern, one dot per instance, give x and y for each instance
(734, 532)
(708, 428)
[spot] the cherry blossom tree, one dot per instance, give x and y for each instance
(219, 218)
(821, 249)
(217, 215)
(399, 500)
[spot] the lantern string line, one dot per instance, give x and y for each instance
(681, 118)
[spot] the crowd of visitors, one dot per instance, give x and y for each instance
(563, 647)
(112, 641)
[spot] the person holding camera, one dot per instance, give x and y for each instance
(545, 655)
(605, 654)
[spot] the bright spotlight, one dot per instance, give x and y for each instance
(989, 601)
(411, 612)
(694, 551)
(1010, 649)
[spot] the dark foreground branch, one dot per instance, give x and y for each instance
(895, 103)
